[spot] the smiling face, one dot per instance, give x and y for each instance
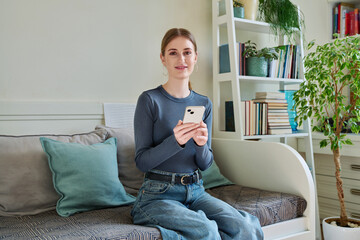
(179, 58)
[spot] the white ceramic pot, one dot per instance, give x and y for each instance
(336, 233)
(250, 8)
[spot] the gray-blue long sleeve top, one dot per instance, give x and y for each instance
(156, 115)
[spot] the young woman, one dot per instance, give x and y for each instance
(170, 152)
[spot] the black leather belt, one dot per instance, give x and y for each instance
(184, 180)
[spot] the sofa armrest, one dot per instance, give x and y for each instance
(266, 165)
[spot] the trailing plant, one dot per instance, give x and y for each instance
(237, 3)
(328, 71)
(283, 17)
(251, 51)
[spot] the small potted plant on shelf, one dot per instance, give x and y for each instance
(283, 17)
(238, 9)
(329, 70)
(257, 61)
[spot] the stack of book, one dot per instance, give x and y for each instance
(277, 114)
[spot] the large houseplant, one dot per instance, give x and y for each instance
(330, 71)
(257, 59)
(283, 17)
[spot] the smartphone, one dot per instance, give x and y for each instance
(193, 114)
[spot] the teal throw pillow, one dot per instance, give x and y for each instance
(85, 176)
(213, 178)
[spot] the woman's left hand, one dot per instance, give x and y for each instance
(201, 135)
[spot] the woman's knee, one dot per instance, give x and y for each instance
(210, 230)
(249, 229)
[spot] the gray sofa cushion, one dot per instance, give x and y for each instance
(26, 185)
(269, 207)
(130, 176)
(110, 223)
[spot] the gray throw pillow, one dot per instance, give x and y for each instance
(26, 185)
(130, 176)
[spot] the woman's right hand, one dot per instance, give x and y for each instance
(185, 131)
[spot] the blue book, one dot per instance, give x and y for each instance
(229, 117)
(285, 61)
(224, 59)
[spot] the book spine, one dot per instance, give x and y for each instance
(229, 117)
(243, 57)
(239, 51)
(356, 21)
(347, 24)
(285, 62)
(252, 122)
(343, 23)
(292, 75)
(265, 119)
(298, 63)
(339, 19)
(335, 20)
(243, 117)
(352, 23)
(224, 59)
(247, 118)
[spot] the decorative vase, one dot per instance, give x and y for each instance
(289, 96)
(332, 232)
(239, 12)
(250, 8)
(256, 66)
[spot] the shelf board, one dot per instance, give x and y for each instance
(252, 26)
(345, 1)
(270, 80)
(234, 135)
(247, 25)
(300, 134)
(333, 39)
(224, 77)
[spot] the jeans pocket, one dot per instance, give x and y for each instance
(155, 187)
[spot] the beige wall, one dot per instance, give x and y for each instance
(93, 50)
(103, 51)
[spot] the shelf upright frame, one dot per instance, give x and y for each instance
(232, 76)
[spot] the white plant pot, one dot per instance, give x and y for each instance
(250, 8)
(332, 232)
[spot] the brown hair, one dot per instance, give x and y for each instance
(177, 32)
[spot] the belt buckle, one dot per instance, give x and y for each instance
(182, 180)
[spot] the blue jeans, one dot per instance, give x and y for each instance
(188, 212)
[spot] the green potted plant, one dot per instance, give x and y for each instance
(257, 61)
(329, 70)
(283, 17)
(238, 9)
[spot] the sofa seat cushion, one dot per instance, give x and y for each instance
(110, 223)
(269, 207)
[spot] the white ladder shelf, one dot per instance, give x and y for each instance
(232, 24)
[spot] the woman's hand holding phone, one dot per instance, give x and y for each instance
(201, 135)
(185, 131)
(192, 126)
